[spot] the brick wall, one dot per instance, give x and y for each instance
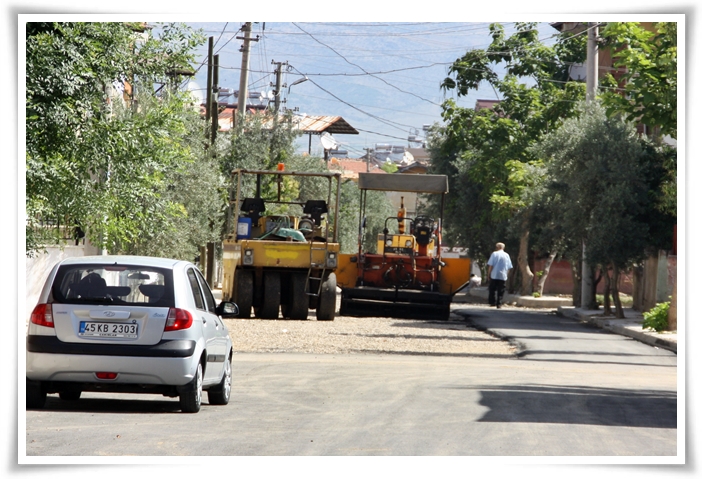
(560, 279)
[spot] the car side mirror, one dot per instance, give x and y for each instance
(227, 309)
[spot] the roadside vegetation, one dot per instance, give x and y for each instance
(117, 150)
(544, 171)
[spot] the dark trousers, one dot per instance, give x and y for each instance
(496, 290)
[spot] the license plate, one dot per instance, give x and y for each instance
(97, 329)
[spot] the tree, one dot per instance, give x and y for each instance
(599, 178)
(100, 141)
(646, 89)
(647, 92)
(197, 191)
(259, 142)
(486, 153)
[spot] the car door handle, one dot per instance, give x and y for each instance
(204, 320)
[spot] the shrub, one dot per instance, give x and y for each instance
(657, 318)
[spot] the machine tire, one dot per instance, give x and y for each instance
(270, 303)
(243, 292)
(220, 394)
(297, 304)
(36, 396)
(326, 308)
(191, 394)
(313, 302)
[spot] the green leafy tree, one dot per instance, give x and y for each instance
(646, 87)
(95, 162)
(600, 180)
(486, 153)
(197, 192)
(645, 90)
(257, 142)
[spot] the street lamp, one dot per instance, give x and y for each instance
(297, 82)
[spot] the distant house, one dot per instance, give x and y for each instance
(415, 168)
(350, 168)
(485, 104)
(419, 154)
(384, 152)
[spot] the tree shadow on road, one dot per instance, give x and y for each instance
(579, 405)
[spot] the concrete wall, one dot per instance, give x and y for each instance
(655, 281)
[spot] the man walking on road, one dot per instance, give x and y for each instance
(499, 265)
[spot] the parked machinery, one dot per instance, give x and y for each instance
(284, 252)
(406, 277)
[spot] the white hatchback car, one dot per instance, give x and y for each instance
(129, 324)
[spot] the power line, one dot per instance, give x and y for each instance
(387, 122)
(220, 35)
(370, 106)
(418, 67)
(362, 69)
(438, 31)
(381, 134)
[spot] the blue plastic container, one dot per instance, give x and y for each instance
(243, 228)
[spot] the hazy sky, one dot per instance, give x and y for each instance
(383, 78)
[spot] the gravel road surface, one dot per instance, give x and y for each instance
(346, 335)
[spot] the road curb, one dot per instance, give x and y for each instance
(630, 327)
(541, 302)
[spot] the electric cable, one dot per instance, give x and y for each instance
(362, 69)
(387, 122)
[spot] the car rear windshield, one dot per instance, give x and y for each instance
(113, 284)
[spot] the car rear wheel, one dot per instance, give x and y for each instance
(219, 395)
(36, 397)
(244, 291)
(191, 393)
(326, 308)
(270, 303)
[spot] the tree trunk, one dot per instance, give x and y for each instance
(637, 273)
(527, 277)
(575, 268)
(607, 290)
(547, 268)
(593, 291)
(619, 311)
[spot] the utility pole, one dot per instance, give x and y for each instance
(214, 106)
(587, 291)
(208, 135)
(243, 78)
(208, 100)
(278, 83)
(368, 156)
(214, 114)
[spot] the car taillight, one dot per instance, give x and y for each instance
(178, 319)
(42, 315)
(105, 375)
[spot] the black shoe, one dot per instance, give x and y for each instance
(499, 306)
